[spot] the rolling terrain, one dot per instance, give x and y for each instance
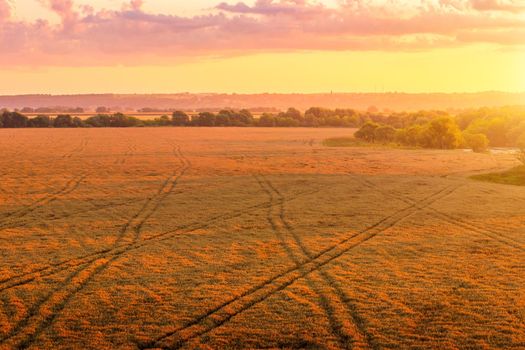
(148, 238)
(268, 101)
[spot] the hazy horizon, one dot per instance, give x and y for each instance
(233, 93)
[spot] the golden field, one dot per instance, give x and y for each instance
(254, 238)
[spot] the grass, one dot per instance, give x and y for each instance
(350, 141)
(252, 238)
(343, 142)
(514, 176)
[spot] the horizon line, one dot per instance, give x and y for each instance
(271, 93)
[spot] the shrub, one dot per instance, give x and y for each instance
(367, 132)
(385, 134)
(477, 142)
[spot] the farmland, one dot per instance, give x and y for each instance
(148, 238)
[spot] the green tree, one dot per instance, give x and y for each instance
(385, 134)
(13, 120)
(442, 133)
(180, 118)
(63, 121)
(266, 120)
(367, 132)
(40, 121)
(477, 142)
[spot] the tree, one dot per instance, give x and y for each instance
(40, 121)
(101, 110)
(385, 133)
(204, 119)
(246, 114)
(180, 118)
(164, 120)
(266, 120)
(99, 121)
(367, 132)
(294, 114)
(77, 123)
(442, 133)
(13, 120)
(410, 136)
(63, 121)
(243, 118)
(120, 120)
(286, 122)
(477, 142)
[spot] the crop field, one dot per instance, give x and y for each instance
(166, 238)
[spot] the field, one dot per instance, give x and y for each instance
(254, 238)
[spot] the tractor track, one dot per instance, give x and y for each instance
(26, 222)
(453, 220)
(298, 251)
(6, 219)
(42, 314)
(223, 313)
(52, 269)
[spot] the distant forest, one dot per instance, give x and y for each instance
(477, 128)
(263, 102)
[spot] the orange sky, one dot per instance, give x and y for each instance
(65, 46)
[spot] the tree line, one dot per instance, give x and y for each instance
(314, 117)
(477, 128)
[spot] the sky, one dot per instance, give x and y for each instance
(304, 46)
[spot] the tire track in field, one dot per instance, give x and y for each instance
(19, 222)
(453, 220)
(152, 204)
(132, 149)
(509, 242)
(349, 335)
(223, 313)
(41, 315)
(70, 186)
(95, 208)
(52, 269)
(112, 254)
(7, 219)
(79, 149)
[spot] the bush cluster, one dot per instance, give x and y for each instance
(477, 129)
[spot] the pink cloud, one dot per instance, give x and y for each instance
(63, 8)
(5, 10)
(133, 36)
(498, 5)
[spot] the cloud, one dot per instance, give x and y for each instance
(498, 5)
(294, 8)
(64, 9)
(5, 10)
(132, 36)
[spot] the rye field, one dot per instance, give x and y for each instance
(232, 238)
